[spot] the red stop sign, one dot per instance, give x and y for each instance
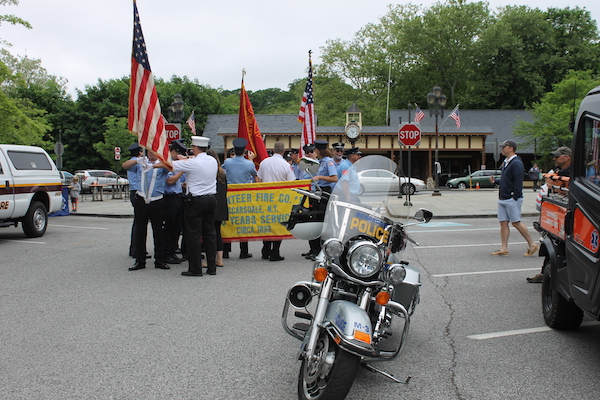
(173, 132)
(409, 135)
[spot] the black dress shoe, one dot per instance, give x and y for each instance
(247, 255)
(305, 254)
(136, 266)
(310, 256)
(161, 265)
(265, 257)
(276, 258)
(188, 273)
(173, 260)
(212, 272)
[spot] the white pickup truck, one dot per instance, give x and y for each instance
(30, 188)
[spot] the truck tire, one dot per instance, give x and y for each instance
(35, 221)
(559, 313)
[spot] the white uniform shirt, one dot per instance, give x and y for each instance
(275, 169)
(201, 174)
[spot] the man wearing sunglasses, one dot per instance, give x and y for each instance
(338, 153)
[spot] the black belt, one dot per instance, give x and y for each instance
(172, 194)
(205, 195)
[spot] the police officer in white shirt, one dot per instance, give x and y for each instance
(275, 169)
(201, 202)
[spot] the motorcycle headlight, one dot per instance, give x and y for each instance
(333, 248)
(364, 259)
(396, 273)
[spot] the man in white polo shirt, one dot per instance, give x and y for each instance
(274, 169)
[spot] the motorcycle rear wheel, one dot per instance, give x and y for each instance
(330, 375)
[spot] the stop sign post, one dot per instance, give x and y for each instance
(409, 135)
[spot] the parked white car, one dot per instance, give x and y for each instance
(380, 180)
(88, 177)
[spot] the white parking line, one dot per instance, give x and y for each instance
(460, 230)
(464, 245)
(79, 227)
(23, 241)
(494, 335)
(499, 271)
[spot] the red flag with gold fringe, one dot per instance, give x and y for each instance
(248, 128)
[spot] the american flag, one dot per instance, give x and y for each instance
(307, 112)
(456, 116)
(419, 114)
(145, 118)
(191, 121)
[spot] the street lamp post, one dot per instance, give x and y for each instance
(176, 109)
(437, 102)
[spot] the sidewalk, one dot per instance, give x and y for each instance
(457, 203)
(453, 203)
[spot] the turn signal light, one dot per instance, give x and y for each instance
(382, 298)
(320, 274)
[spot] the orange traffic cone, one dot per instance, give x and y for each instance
(477, 186)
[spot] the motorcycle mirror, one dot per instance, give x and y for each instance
(423, 215)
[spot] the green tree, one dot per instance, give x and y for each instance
(12, 19)
(553, 113)
(115, 134)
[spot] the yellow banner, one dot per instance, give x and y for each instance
(256, 210)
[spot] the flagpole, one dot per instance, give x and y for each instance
(448, 116)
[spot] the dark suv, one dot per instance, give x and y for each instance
(570, 224)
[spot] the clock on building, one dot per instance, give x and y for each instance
(352, 131)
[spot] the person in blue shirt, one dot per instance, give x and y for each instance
(326, 179)
(294, 153)
(239, 170)
(149, 204)
(132, 175)
(173, 205)
(327, 174)
(347, 176)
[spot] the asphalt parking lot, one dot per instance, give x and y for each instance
(77, 325)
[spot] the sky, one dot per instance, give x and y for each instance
(211, 41)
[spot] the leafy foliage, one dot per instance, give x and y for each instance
(554, 114)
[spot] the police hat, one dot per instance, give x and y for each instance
(321, 144)
(338, 145)
(308, 148)
(353, 150)
(294, 151)
(240, 143)
(178, 146)
(134, 149)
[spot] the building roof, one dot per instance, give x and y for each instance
(498, 124)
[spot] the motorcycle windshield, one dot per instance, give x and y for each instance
(357, 202)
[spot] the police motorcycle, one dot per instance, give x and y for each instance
(356, 309)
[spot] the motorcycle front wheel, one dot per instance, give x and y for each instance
(329, 375)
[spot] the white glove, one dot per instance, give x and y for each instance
(143, 162)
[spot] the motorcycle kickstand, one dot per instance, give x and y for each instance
(373, 369)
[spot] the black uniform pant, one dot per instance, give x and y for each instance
(200, 225)
(155, 211)
(133, 243)
(173, 221)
